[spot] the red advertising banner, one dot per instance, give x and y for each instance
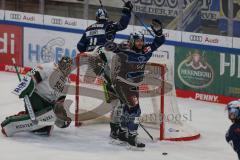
(11, 69)
(11, 43)
(205, 96)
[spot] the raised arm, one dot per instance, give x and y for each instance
(82, 44)
(125, 18)
(159, 37)
(122, 24)
(157, 42)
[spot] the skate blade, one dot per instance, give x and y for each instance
(117, 142)
(134, 148)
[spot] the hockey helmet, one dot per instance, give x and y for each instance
(135, 36)
(233, 110)
(101, 14)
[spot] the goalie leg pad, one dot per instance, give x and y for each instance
(23, 123)
(45, 131)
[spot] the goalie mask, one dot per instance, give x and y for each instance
(101, 14)
(233, 109)
(65, 65)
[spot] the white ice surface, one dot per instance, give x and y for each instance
(92, 142)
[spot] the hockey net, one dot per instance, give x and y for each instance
(160, 112)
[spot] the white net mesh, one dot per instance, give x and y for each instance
(162, 113)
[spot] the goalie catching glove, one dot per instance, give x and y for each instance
(157, 27)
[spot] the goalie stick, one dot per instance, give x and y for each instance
(26, 98)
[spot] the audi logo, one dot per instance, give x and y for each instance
(56, 21)
(15, 16)
(195, 38)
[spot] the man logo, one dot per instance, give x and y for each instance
(195, 38)
(15, 16)
(56, 21)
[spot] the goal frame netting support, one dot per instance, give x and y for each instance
(163, 69)
(77, 96)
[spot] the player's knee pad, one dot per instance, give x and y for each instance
(130, 118)
(23, 123)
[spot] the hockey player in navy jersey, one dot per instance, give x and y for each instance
(103, 30)
(98, 34)
(233, 134)
(127, 73)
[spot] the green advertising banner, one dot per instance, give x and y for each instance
(207, 71)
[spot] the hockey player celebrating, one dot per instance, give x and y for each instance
(46, 100)
(233, 134)
(98, 34)
(103, 30)
(127, 73)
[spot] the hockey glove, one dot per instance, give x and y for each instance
(127, 8)
(157, 27)
(25, 87)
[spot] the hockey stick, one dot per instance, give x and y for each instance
(100, 1)
(150, 136)
(26, 98)
(141, 21)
